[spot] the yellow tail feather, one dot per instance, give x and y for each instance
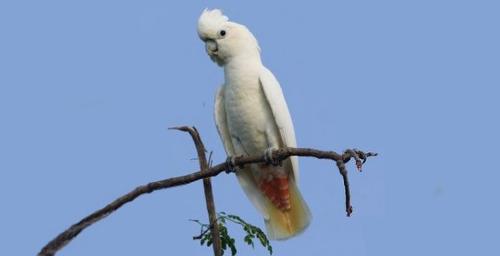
(281, 224)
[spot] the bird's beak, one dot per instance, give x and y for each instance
(211, 48)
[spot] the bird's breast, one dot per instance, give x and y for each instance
(247, 115)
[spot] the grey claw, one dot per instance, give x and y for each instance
(231, 164)
(268, 157)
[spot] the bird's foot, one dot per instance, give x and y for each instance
(269, 158)
(230, 164)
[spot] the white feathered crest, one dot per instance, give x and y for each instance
(210, 22)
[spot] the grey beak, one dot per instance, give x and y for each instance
(211, 47)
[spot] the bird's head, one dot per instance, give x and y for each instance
(224, 39)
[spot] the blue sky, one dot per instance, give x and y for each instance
(88, 89)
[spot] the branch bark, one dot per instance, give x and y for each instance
(207, 186)
(65, 237)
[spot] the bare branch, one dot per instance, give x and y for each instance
(207, 186)
(65, 237)
(343, 172)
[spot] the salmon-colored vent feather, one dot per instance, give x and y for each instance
(277, 191)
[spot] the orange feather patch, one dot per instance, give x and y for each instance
(277, 191)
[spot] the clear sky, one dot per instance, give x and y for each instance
(88, 89)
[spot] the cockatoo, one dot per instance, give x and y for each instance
(252, 118)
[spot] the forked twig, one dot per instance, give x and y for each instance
(207, 186)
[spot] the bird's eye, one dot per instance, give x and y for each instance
(222, 33)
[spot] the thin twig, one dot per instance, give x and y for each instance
(357, 159)
(202, 233)
(207, 186)
(65, 237)
(343, 172)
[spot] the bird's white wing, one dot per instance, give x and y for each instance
(221, 122)
(274, 95)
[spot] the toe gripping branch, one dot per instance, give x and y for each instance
(230, 164)
(270, 159)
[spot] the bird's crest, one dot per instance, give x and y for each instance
(210, 21)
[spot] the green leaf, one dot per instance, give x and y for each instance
(223, 244)
(270, 249)
(227, 241)
(203, 240)
(248, 240)
(232, 246)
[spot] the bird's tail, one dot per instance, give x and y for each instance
(283, 224)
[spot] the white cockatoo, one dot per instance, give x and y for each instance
(252, 118)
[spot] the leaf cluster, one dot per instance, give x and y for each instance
(227, 242)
